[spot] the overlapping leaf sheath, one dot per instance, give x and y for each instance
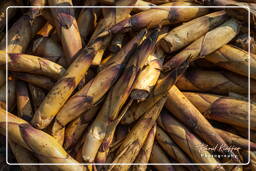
(38, 80)
(158, 156)
(87, 20)
(235, 140)
(44, 146)
(183, 35)
(31, 64)
(3, 14)
(120, 13)
(117, 97)
(155, 16)
(94, 90)
(76, 128)
(67, 28)
(108, 155)
(222, 82)
(101, 44)
(245, 41)
(134, 141)
(120, 134)
(148, 76)
(160, 90)
(20, 34)
(234, 59)
(206, 44)
(111, 17)
(171, 148)
(189, 143)
(145, 151)
(23, 155)
(47, 48)
(181, 107)
(63, 89)
(224, 109)
(103, 152)
(24, 106)
(37, 95)
(25, 111)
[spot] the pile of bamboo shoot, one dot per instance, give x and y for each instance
(128, 88)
